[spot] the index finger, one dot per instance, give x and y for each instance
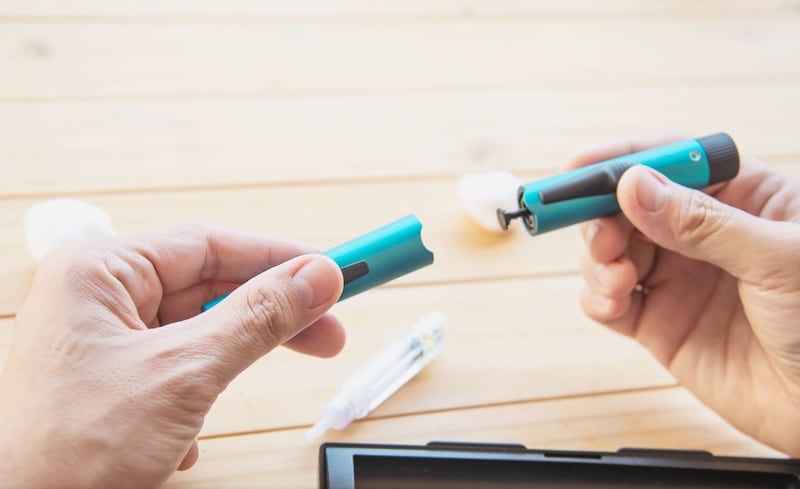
(606, 151)
(191, 253)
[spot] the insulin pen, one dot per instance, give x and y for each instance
(376, 257)
(590, 192)
(378, 379)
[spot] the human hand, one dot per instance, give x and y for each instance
(721, 300)
(112, 371)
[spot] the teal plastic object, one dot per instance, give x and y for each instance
(377, 257)
(389, 252)
(685, 162)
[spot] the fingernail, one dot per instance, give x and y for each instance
(652, 192)
(599, 273)
(316, 282)
(591, 231)
(604, 304)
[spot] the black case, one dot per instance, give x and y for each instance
(445, 465)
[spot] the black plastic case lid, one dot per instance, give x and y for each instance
(480, 466)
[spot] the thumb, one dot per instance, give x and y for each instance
(696, 225)
(267, 311)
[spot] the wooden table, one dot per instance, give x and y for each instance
(322, 120)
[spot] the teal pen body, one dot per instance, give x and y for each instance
(390, 252)
(384, 254)
(685, 162)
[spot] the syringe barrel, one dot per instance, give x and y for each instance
(395, 365)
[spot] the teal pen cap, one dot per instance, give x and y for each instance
(590, 192)
(377, 257)
(382, 255)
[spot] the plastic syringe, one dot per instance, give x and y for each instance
(382, 376)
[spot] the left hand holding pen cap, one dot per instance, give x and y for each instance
(111, 371)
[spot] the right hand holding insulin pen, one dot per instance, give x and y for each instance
(383, 375)
(709, 283)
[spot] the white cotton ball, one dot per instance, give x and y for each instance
(56, 222)
(481, 194)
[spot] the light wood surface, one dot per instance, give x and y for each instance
(69, 146)
(137, 59)
(244, 9)
(322, 120)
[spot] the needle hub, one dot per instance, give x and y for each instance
(505, 217)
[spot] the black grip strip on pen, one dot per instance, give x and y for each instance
(354, 271)
(598, 181)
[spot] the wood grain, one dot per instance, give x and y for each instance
(364, 9)
(46, 61)
(81, 146)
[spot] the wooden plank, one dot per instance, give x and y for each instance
(663, 418)
(365, 8)
(80, 146)
(515, 339)
(49, 60)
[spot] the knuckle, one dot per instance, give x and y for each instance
(698, 219)
(81, 269)
(263, 319)
(204, 231)
(128, 267)
(196, 227)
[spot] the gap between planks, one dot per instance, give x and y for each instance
(474, 407)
